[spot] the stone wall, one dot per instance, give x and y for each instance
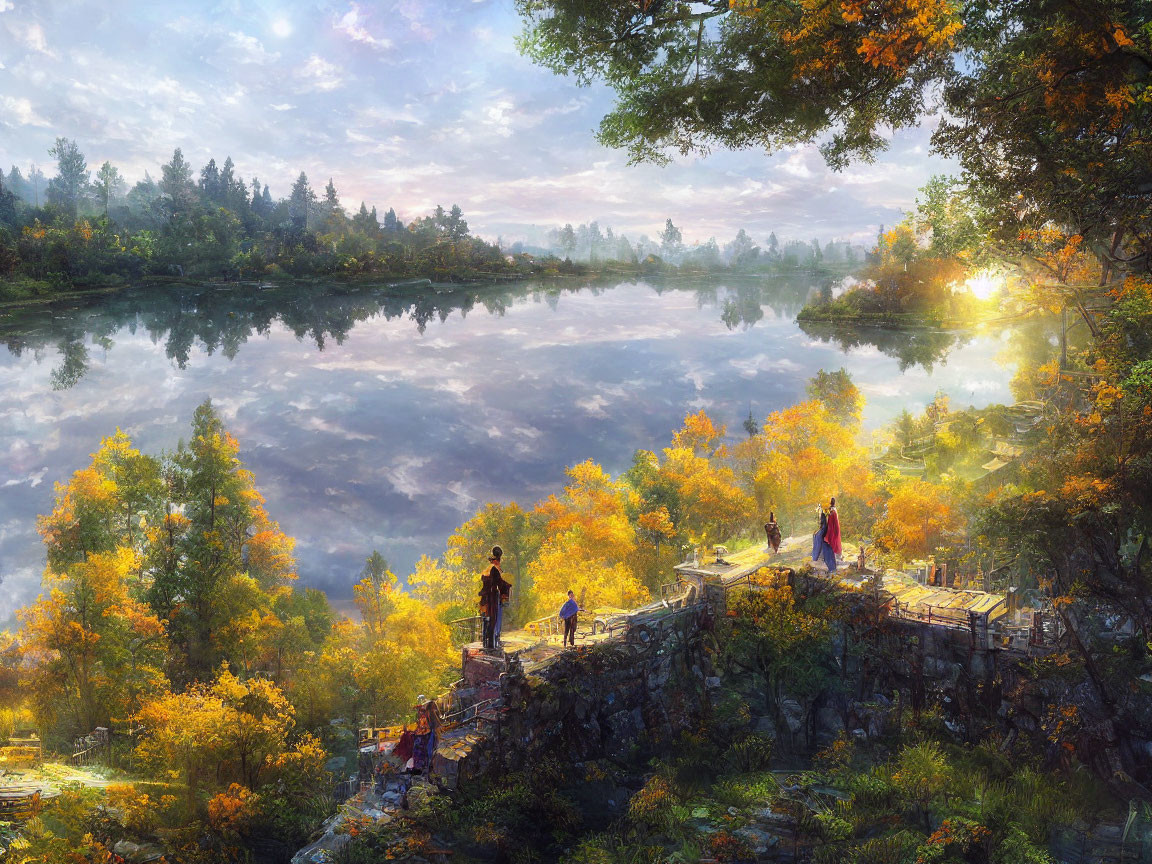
(606, 700)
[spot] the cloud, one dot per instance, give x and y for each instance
(19, 112)
(6, 6)
(512, 143)
(318, 74)
(352, 26)
(243, 48)
(750, 367)
(405, 475)
(32, 480)
(593, 405)
(33, 37)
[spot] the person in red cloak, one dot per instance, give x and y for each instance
(832, 532)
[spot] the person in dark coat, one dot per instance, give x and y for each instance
(492, 589)
(773, 532)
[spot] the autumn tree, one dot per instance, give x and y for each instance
(95, 650)
(803, 456)
(710, 505)
(748, 73)
(222, 731)
(918, 518)
(1045, 114)
(374, 594)
(589, 544)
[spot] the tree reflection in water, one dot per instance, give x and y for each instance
(223, 318)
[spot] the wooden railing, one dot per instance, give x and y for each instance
(544, 627)
(465, 630)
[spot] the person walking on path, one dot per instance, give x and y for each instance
(773, 532)
(568, 616)
(492, 588)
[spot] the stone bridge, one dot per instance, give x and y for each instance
(651, 676)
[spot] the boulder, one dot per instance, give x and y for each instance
(137, 853)
(760, 840)
(793, 715)
(829, 721)
(764, 726)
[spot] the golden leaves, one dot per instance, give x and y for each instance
(829, 38)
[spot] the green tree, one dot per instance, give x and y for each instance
(210, 186)
(567, 240)
(302, 200)
(176, 182)
(334, 215)
(671, 240)
(840, 396)
(68, 187)
(109, 184)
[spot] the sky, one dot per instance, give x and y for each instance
(405, 104)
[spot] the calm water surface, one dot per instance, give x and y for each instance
(375, 418)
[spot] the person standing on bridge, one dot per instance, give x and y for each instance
(568, 616)
(427, 726)
(492, 589)
(822, 553)
(832, 533)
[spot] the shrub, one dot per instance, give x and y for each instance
(753, 753)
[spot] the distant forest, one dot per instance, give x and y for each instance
(84, 229)
(591, 244)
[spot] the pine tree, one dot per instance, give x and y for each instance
(257, 204)
(176, 181)
(301, 201)
(210, 182)
(18, 186)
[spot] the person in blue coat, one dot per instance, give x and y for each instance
(822, 552)
(568, 616)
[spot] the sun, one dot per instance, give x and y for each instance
(282, 27)
(983, 284)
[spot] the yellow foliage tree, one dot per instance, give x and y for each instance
(802, 457)
(227, 731)
(589, 545)
(918, 517)
(94, 651)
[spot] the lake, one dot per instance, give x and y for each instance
(380, 418)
